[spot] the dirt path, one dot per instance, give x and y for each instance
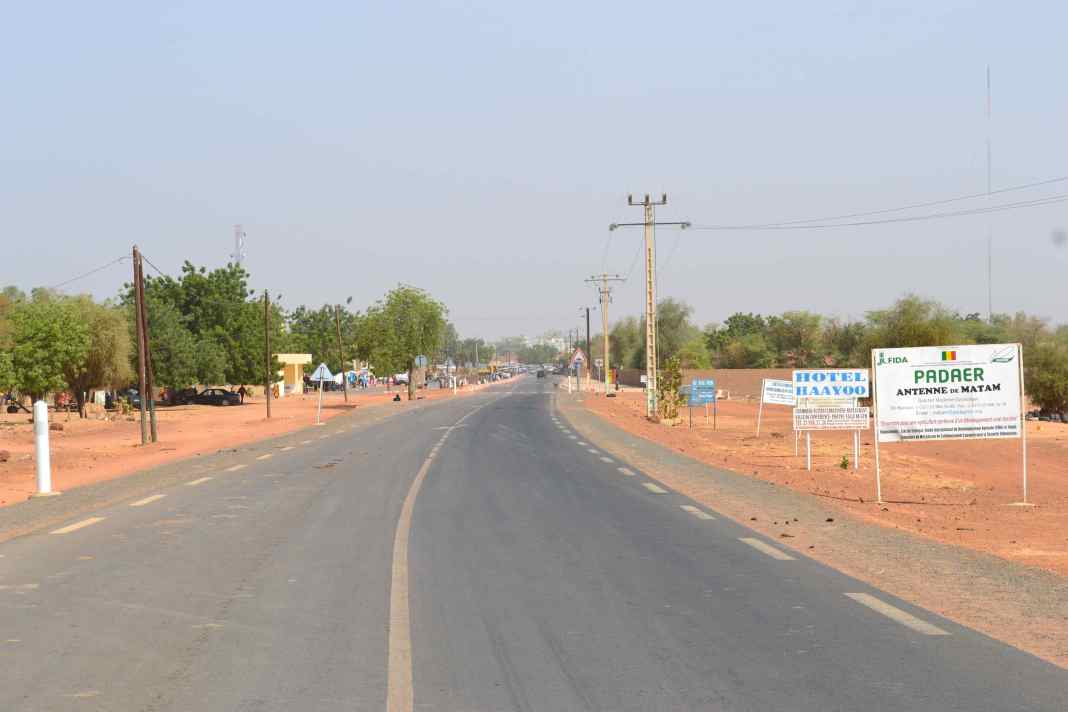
(95, 450)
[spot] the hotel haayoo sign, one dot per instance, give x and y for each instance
(838, 383)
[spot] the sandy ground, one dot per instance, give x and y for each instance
(95, 449)
(955, 492)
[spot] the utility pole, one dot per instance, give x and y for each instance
(140, 324)
(649, 223)
(267, 350)
(989, 224)
(605, 297)
(341, 351)
(150, 379)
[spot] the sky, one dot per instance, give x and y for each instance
(480, 150)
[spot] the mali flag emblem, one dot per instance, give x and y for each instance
(949, 355)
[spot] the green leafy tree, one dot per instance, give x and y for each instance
(796, 339)
(845, 341)
(912, 321)
(694, 352)
(748, 351)
(625, 341)
(1046, 375)
(107, 360)
(49, 339)
(7, 372)
(407, 323)
(314, 331)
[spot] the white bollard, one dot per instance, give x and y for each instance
(40, 440)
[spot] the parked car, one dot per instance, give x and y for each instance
(186, 396)
(217, 396)
(541, 373)
(400, 378)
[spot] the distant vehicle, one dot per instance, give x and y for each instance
(217, 396)
(400, 378)
(186, 396)
(541, 373)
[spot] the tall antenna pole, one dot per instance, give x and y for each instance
(989, 223)
(239, 245)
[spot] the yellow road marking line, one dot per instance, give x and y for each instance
(766, 548)
(655, 489)
(234, 468)
(267, 456)
(197, 482)
(78, 525)
(626, 471)
(896, 614)
(147, 500)
(695, 511)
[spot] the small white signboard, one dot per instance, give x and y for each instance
(831, 418)
(778, 392)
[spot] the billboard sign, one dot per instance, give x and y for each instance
(948, 392)
(778, 392)
(850, 418)
(832, 383)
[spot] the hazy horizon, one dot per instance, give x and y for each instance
(481, 151)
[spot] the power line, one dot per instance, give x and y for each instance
(1038, 202)
(161, 273)
(913, 206)
(90, 272)
(634, 262)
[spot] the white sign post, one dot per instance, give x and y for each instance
(776, 392)
(848, 418)
(949, 393)
(322, 373)
(42, 452)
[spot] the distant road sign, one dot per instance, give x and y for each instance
(598, 362)
(322, 373)
(420, 361)
(702, 391)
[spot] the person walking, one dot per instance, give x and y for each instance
(242, 391)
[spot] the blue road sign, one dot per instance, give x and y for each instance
(702, 391)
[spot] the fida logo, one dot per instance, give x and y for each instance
(884, 359)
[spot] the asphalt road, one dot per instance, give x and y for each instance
(469, 555)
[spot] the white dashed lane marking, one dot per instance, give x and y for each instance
(305, 442)
(235, 468)
(591, 450)
(896, 614)
(78, 525)
(655, 489)
(202, 480)
(266, 456)
(287, 448)
(147, 500)
(626, 471)
(766, 548)
(606, 459)
(689, 508)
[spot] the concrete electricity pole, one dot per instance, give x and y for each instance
(605, 293)
(267, 380)
(341, 351)
(649, 223)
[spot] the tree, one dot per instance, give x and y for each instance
(694, 353)
(911, 321)
(48, 340)
(795, 337)
(748, 351)
(407, 323)
(107, 359)
(625, 342)
(668, 385)
(1046, 376)
(7, 372)
(314, 331)
(844, 342)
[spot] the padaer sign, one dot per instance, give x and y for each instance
(948, 392)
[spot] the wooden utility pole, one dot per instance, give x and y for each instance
(139, 321)
(605, 293)
(150, 376)
(267, 350)
(341, 351)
